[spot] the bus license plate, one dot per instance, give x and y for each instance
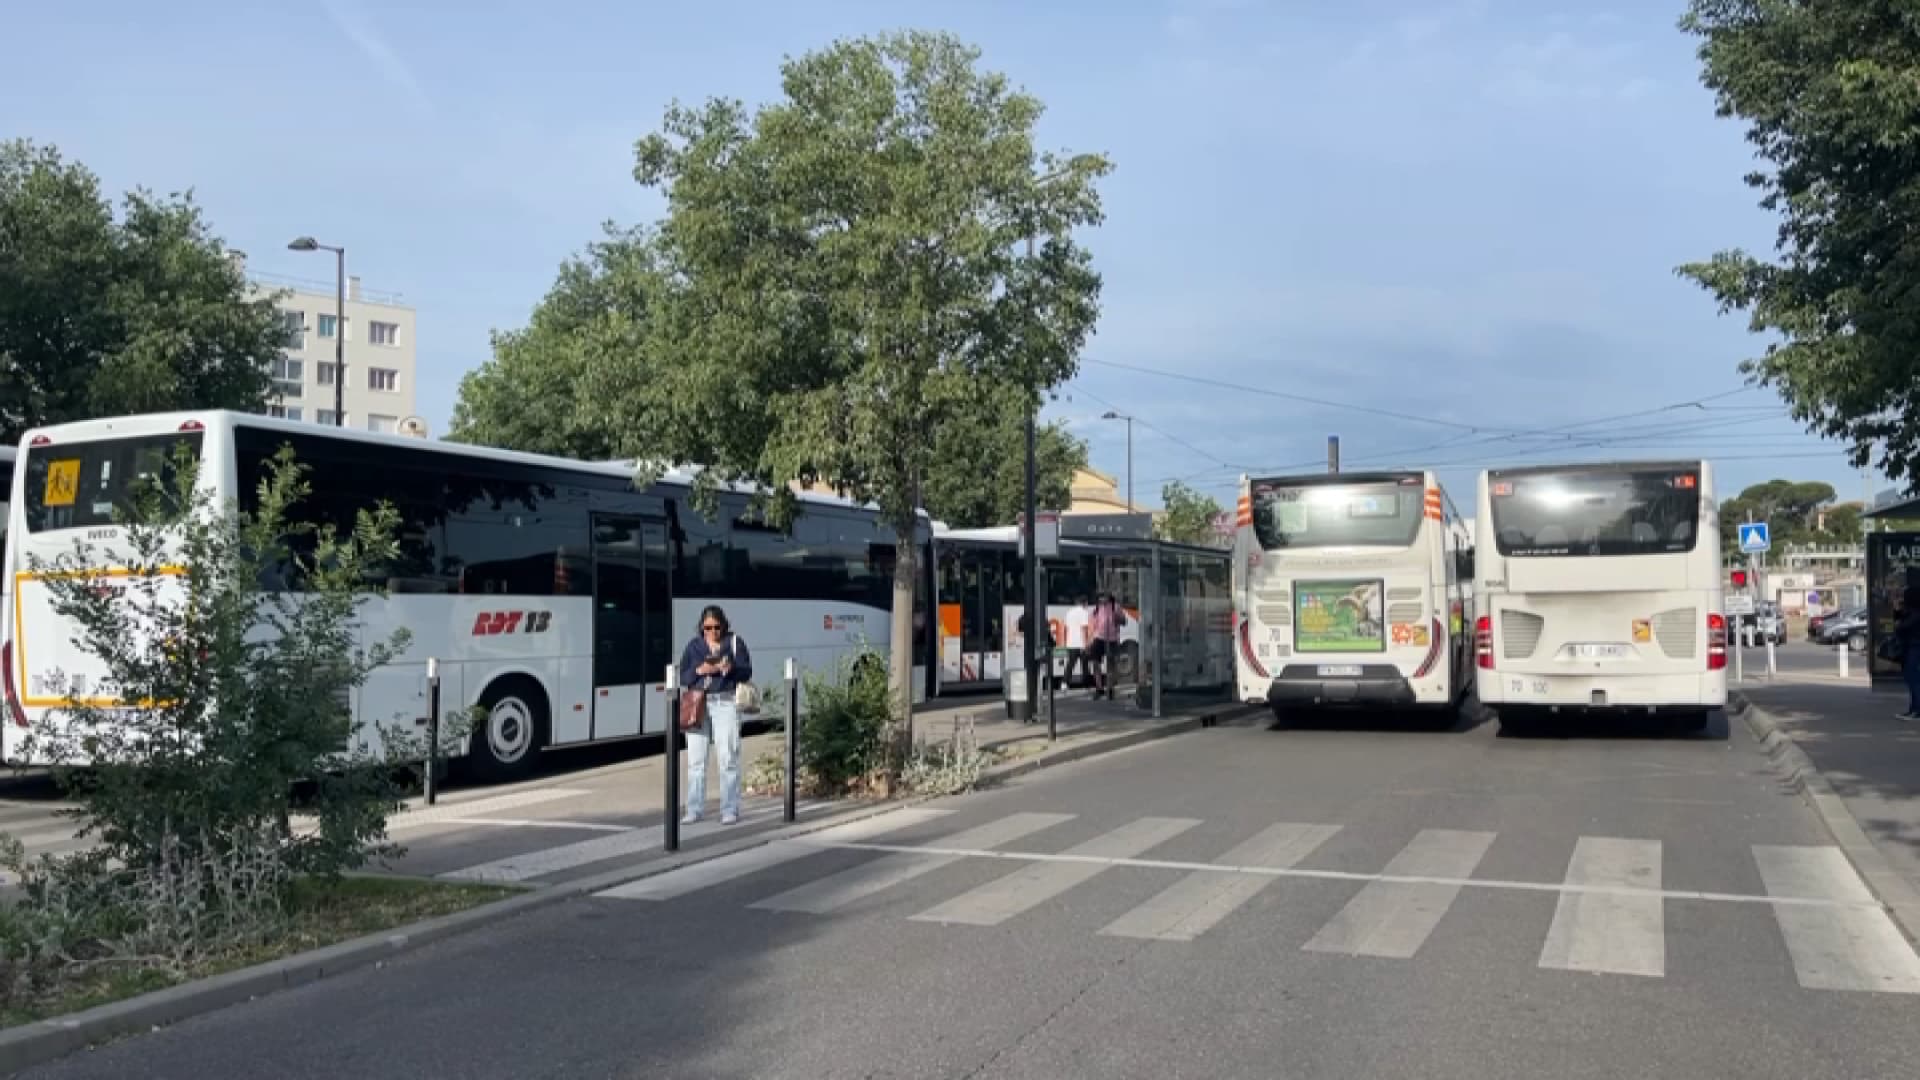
(1339, 671)
(1599, 652)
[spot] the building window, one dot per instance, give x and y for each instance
(326, 327)
(285, 412)
(295, 323)
(376, 422)
(326, 373)
(381, 378)
(326, 416)
(383, 333)
(287, 374)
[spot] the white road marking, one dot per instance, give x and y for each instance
(415, 817)
(1855, 947)
(854, 883)
(741, 863)
(1555, 887)
(1028, 887)
(1622, 934)
(553, 860)
(1393, 919)
(1194, 904)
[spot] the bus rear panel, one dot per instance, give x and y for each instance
(1600, 589)
(1348, 593)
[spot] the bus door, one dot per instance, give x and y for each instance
(632, 626)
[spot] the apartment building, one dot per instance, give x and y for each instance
(377, 336)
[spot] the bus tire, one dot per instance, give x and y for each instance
(511, 731)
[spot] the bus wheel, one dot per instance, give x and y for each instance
(511, 731)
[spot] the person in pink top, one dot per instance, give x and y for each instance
(1103, 634)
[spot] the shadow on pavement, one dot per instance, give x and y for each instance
(1383, 721)
(1603, 726)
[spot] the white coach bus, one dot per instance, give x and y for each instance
(553, 592)
(1599, 589)
(1348, 592)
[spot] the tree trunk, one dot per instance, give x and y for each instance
(906, 569)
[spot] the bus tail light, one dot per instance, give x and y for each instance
(1246, 648)
(41, 440)
(1433, 653)
(1483, 641)
(14, 711)
(1716, 641)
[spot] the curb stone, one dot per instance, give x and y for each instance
(1895, 892)
(43, 1041)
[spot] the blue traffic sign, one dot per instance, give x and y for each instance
(1753, 536)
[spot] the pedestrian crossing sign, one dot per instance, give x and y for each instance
(1753, 536)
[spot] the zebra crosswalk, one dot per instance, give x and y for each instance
(1609, 913)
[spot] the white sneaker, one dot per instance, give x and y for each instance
(729, 819)
(690, 819)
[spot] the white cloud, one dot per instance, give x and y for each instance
(375, 48)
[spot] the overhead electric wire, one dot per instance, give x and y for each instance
(1162, 432)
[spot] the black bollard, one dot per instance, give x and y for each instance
(1053, 729)
(793, 739)
(670, 827)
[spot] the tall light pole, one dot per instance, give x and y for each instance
(307, 243)
(1035, 617)
(1111, 415)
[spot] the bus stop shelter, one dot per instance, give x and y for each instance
(1893, 567)
(1181, 594)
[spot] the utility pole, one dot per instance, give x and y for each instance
(1333, 453)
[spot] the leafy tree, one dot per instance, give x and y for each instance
(1842, 525)
(1790, 508)
(857, 263)
(544, 391)
(1827, 92)
(230, 696)
(1189, 516)
(104, 316)
(977, 476)
(559, 387)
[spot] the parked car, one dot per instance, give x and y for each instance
(1767, 624)
(1848, 626)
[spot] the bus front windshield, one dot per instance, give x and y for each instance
(1373, 514)
(1581, 512)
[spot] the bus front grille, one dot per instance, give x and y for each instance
(1676, 631)
(1519, 634)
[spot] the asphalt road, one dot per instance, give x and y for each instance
(1397, 901)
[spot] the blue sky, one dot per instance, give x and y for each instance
(1465, 214)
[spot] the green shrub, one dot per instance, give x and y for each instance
(844, 721)
(231, 696)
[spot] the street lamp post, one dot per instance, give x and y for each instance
(1035, 617)
(307, 243)
(1110, 415)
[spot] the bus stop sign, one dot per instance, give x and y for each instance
(1753, 537)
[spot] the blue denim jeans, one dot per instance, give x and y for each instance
(722, 731)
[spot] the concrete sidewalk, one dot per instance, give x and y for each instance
(1871, 759)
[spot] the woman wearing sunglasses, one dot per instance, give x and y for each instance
(717, 662)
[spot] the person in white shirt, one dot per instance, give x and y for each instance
(1077, 621)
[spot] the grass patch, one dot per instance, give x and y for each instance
(317, 913)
